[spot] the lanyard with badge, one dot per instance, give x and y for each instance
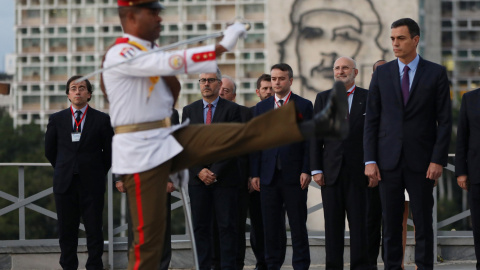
(76, 135)
(286, 100)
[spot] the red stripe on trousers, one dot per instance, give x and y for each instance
(141, 236)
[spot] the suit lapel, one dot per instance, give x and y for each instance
(357, 104)
(396, 82)
(88, 125)
(197, 113)
(219, 110)
(418, 74)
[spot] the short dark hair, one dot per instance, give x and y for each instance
(283, 67)
(264, 77)
(375, 64)
(412, 25)
(73, 78)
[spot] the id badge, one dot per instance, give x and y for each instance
(76, 136)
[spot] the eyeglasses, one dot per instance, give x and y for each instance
(79, 89)
(210, 80)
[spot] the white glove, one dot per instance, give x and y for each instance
(231, 35)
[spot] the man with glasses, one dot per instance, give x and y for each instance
(78, 144)
(213, 187)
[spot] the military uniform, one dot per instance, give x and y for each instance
(146, 158)
(146, 149)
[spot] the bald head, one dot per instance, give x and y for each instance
(345, 70)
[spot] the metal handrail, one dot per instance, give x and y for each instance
(21, 203)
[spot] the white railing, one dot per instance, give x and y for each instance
(21, 202)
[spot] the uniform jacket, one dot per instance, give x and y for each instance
(128, 85)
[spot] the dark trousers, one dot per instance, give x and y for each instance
(474, 202)
(205, 202)
(257, 235)
(167, 246)
(350, 198)
(392, 196)
(80, 201)
(374, 225)
(274, 199)
(241, 228)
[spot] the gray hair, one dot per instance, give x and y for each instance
(218, 74)
(234, 90)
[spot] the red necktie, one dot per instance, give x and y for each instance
(209, 115)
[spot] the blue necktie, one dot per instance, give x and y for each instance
(405, 85)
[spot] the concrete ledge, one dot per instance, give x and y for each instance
(46, 257)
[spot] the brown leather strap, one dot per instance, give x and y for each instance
(143, 126)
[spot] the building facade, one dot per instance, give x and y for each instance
(461, 44)
(56, 39)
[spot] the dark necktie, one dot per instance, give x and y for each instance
(278, 163)
(78, 113)
(208, 121)
(405, 85)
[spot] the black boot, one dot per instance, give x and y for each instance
(332, 121)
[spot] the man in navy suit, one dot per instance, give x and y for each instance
(282, 176)
(337, 166)
(78, 144)
(407, 133)
(213, 188)
(466, 157)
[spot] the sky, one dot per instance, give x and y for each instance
(7, 33)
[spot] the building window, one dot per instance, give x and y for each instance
(62, 30)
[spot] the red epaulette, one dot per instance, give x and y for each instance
(203, 56)
(121, 40)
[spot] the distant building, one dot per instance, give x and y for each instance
(56, 39)
(461, 44)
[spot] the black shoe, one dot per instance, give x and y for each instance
(332, 121)
(261, 267)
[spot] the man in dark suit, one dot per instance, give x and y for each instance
(466, 157)
(213, 188)
(337, 166)
(282, 176)
(407, 133)
(374, 213)
(78, 144)
(228, 91)
(257, 236)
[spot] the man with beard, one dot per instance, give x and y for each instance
(337, 167)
